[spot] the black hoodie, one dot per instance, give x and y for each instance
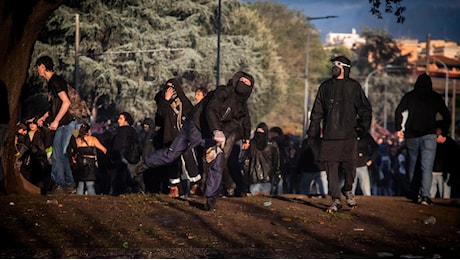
(422, 105)
(225, 109)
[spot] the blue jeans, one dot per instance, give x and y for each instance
(425, 147)
(89, 187)
(265, 187)
(60, 171)
(362, 174)
(188, 138)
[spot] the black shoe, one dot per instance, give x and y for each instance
(211, 204)
(426, 201)
(416, 199)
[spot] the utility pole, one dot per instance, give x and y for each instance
(77, 52)
(427, 48)
(306, 88)
(218, 44)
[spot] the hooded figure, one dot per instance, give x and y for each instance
(261, 162)
(216, 122)
(173, 107)
(172, 110)
(261, 136)
(242, 89)
(422, 105)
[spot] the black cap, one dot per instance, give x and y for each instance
(342, 59)
(148, 121)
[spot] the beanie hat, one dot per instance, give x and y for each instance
(149, 121)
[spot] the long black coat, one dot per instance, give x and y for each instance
(341, 106)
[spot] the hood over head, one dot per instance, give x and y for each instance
(242, 90)
(260, 138)
(177, 87)
(263, 126)
(423, 82)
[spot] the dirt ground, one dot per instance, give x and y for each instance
(290, 226)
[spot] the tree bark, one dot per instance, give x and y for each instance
(20, 25)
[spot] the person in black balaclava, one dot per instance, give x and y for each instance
(261, 162)
(339, 105)
(419, 132)
(221, 114)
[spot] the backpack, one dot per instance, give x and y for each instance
(133, 151)
(78, 107)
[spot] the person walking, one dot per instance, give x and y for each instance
(338, 106)
(222, 113)
(422, 105)
(60, 121)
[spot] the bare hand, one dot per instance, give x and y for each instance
(40, 122)
(54, 125)
(245, 145)
(169, 93)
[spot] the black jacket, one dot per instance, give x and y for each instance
(447, 156)
(171, 113)
(309, 156)
(261, 162)
(224, 109)
(119, 140)
(339, 105)
(367, 150)
(422, 105)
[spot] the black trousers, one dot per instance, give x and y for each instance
(333, 169)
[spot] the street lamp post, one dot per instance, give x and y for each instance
(306, 88)
(366, 90)
(446, 91)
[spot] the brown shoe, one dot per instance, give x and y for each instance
(173, 192)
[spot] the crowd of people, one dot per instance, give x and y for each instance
(206, 147)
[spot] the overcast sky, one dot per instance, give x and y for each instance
(440, 18)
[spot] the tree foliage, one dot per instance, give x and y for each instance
(128, 49)
(289, 29)
(182, 31)
(391, 6)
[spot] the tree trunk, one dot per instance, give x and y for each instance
(20, 24)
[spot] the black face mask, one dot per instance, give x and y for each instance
(261, 140)
(242, 90)
(335, 71)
